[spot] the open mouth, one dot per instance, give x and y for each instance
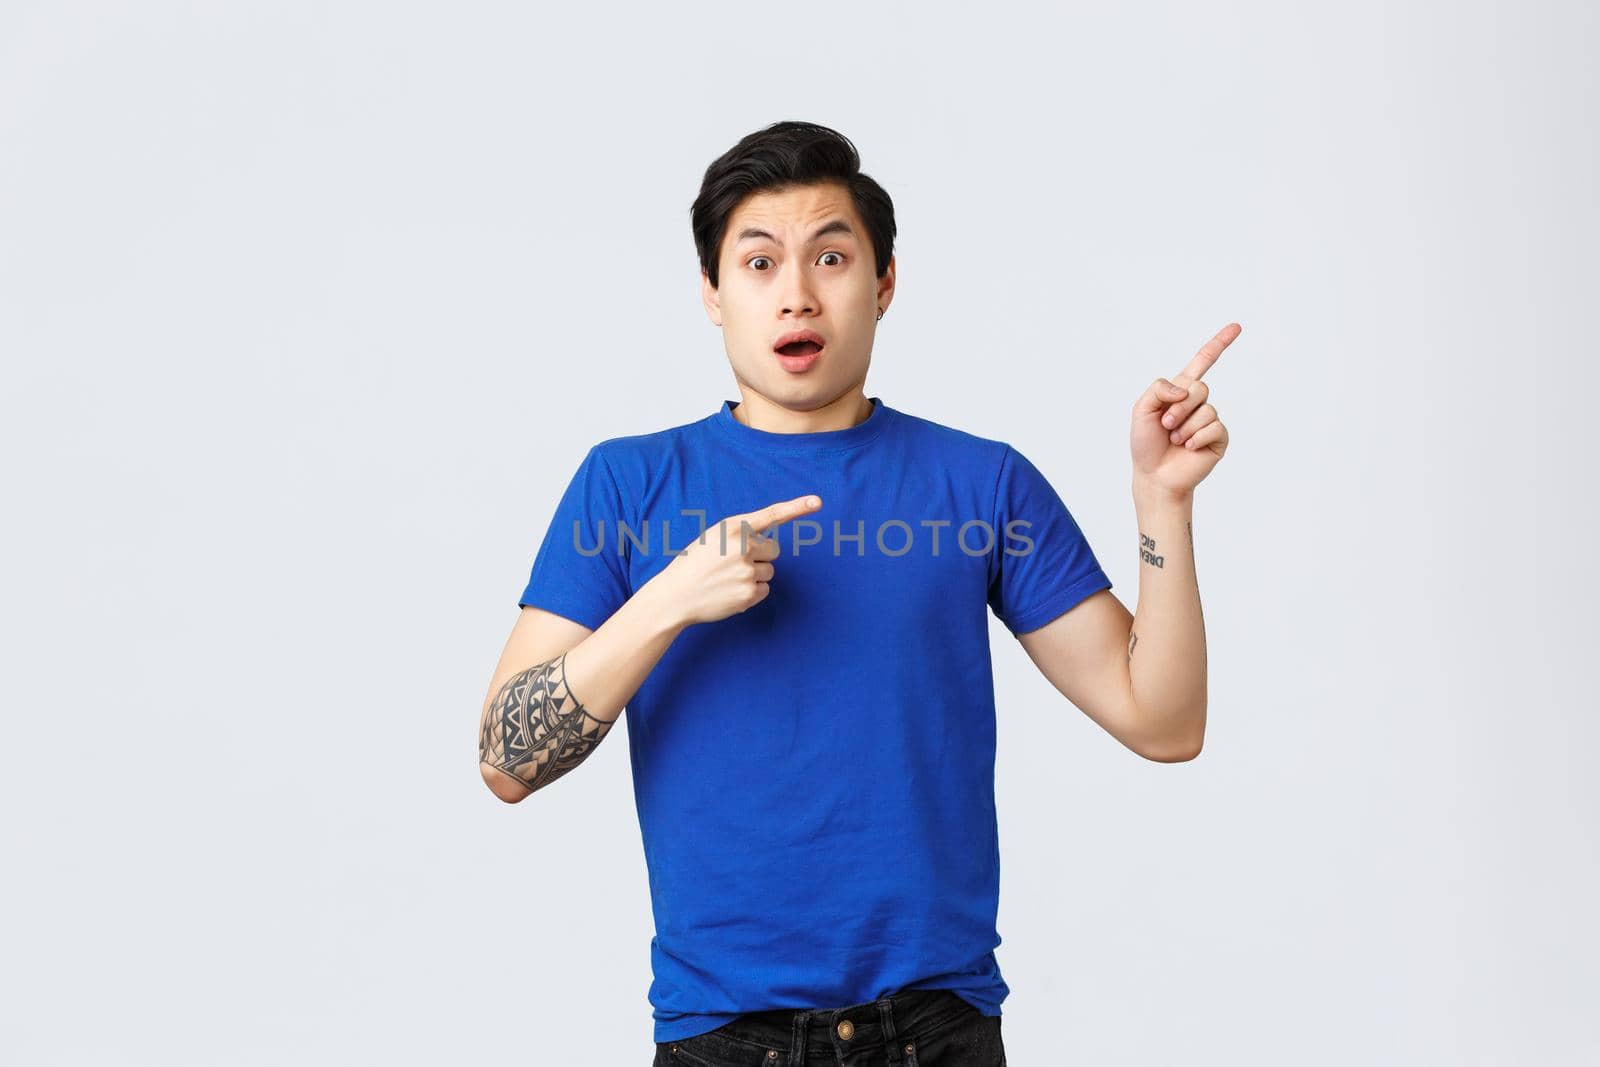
(799, 344)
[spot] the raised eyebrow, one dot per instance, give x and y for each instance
(831, 226)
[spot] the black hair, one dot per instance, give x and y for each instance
(786, 154)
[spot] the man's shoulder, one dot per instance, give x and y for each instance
(649, 446)
(951, 440)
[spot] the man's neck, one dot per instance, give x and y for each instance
(762, 413)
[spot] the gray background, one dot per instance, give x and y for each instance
(310, 310)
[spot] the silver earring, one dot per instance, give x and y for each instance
(880, 314)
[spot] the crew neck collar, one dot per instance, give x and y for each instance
(817, 441)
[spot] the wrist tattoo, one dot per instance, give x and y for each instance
(536, 730)
(1147, 550)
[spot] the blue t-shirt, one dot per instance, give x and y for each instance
(814, 776)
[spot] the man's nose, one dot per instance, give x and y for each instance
(798, 293)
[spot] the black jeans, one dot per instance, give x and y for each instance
(912, 1028)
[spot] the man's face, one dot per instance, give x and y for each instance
(797, 260)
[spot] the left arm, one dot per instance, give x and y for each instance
(1166, 655)
(1142, 677)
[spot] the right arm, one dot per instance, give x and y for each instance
(560, 686)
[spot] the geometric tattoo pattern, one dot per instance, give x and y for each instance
(536, 731)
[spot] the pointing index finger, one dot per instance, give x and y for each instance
(1209, 351)
(777, 514)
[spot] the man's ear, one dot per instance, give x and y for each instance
(886, 285)
(711, 299)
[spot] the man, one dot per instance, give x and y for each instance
(793, 606)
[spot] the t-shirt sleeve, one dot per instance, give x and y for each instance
(1032, 583)
(580, 571)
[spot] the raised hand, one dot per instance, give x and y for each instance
(1177, 438)
(727, 570)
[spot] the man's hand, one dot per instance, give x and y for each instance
(1177, 437)
(727, 570)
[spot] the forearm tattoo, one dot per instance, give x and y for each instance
(536, 730)
(1133, 639)
(1147, 550)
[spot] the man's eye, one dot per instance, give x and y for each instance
(841, 257)
(757, 259)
